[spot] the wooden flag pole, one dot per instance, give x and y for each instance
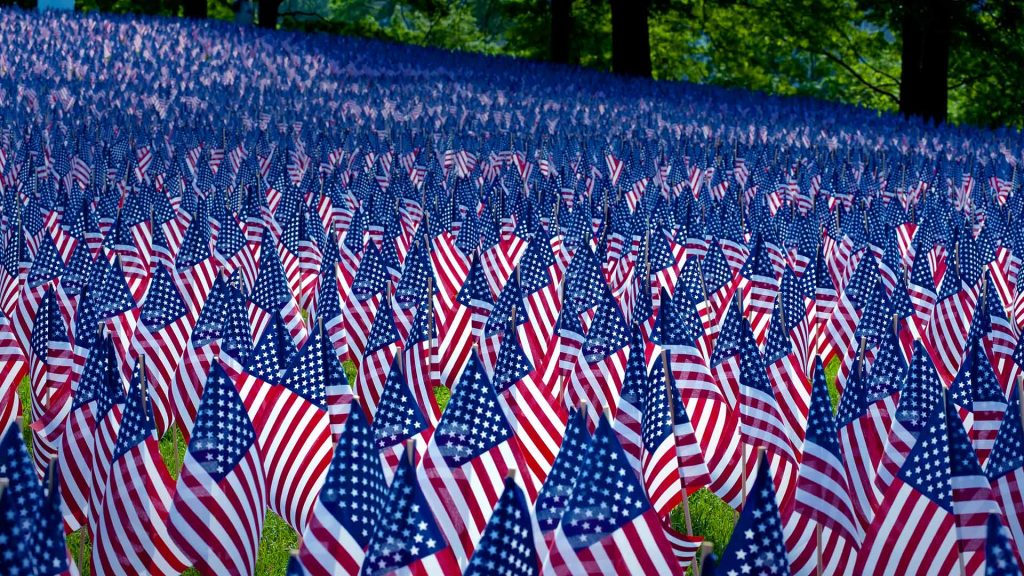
(706, 548)
(672, 422)
(818, 547)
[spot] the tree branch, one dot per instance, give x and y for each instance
(873, 87)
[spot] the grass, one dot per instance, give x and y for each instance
(711, 517)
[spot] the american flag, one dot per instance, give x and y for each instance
(470, 453)
(195, 267)
(20, 501)
(598, 535)
(216, 516)
(598, 374)
(920, 502)
(822, 490)
(349, 504)
(1000, 555)
(160, 341)
(758, 544)
(511, 543)
(77, 449)
(558, 486)
(382, 346)
(973, 499)
(51, 364)
(294, 432)
(667, 477)
(132, 520)
(977, 393)
(407, 538)
(535, 414)
(367, 292)
(629, 414)
(12, 369)
(420, 360)
(919, 393)
(759, 287)
(398, 420)
(272, 296)
(46, 547)
(1005, 469)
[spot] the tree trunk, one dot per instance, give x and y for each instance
(631, 41)
(194, 8)
(561, 30)
(267, 16)
(924, 78)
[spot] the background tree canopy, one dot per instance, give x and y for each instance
(947, 60)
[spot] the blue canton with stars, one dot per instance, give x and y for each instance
(223, 433)
(115, 297)
(757, 546)
(271, 355)
(506, 547)
(927, 468)
(406, 530)
(48, 546)
(354, 487)
(656, 424)
(608, 332)
(512, 364)
(821, 426)
(501, 315)
(47, 265)
(94, 374)
(473, 422)
(195, 247)
(308, 370)
(976, 381)
(236, 334)
(211, 317)
(558, 487)
(398, 416)
(607, 497)
(475, 292)
(1008, 452)
(16, 529)
(136, 420)
(920, 392)
(535, 265)
(889, 370)
(371, 278)
(163, 303)
(49, 326)
(1000, 558)
(271, 290)
(383, 331)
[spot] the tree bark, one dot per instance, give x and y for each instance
(631, 41)
(267, 15)
(927, 27)
(194, 8)
(561, 30)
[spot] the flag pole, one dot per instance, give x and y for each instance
(672, 422)
(818, 547)
(706, 548)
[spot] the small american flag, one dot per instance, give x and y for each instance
(407, 538)
(597, 535)
(822, 491)
(920, 501)
(758, 544)
(511, 543)
(349, 505)
(469, 455)
(221, 481)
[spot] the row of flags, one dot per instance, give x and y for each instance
(622, 317)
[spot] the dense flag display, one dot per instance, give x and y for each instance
(565, 303)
